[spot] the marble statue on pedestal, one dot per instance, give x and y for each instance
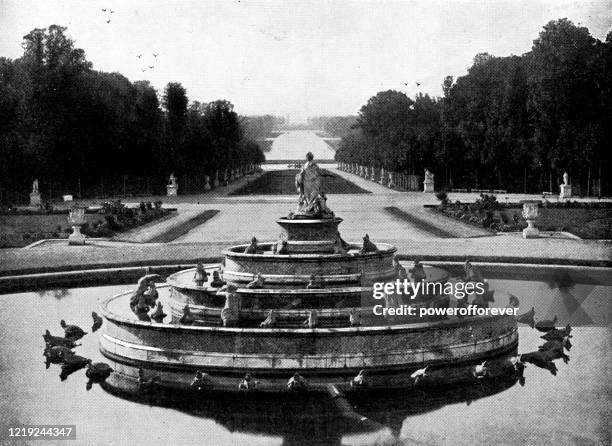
(566, 188)
(35, 199)
(172, 187)
(428, 183)
(312, 202)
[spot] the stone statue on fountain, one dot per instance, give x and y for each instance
(312, 202)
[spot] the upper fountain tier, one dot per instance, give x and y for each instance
(312, 227)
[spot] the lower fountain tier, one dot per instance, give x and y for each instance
(448, 375)
(274, 354)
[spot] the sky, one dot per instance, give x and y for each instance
(295, 58)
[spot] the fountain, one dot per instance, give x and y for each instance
(300, 306)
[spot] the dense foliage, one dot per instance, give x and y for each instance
(514, 123)
(89, 132)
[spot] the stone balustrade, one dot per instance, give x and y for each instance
(390, 179)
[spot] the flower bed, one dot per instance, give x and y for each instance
(589, 220)
(21, 227)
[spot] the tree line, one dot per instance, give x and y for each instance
(88, 132)
(514, 123)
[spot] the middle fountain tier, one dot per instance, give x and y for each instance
(334, 287)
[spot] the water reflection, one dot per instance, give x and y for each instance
(58, 293)
(561, 280)
(312, 418)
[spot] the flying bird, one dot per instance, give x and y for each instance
(155, 55)
(143, 70)
(151, 66)
(418, 85)
(103, 9)
(108, 21)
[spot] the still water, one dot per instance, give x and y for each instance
(570, 408)
(294, 144)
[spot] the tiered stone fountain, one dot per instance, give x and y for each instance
(300, 305)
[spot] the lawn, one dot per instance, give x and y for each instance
(586, 220)
(20, 228)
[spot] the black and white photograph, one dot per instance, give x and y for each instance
(306, 222)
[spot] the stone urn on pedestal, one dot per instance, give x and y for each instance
(76, 218)
(207, 183)
(531, 212)
(382, 176)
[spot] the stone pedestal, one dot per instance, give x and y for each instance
(310, 235)
(531, 231)
(566, 191)
(35, 199)
(428, 186)
(172, 190)
(382, 176)
(207, 183)
(76, 218)
(76, 238)
(391, 182)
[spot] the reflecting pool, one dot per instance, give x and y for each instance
(572, 407)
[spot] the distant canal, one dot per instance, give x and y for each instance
(294, 144)
(570, 408)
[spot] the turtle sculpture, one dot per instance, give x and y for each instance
(72, 331)
(368, 246)
(546, 324)
(97, 321)
(52, 341)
